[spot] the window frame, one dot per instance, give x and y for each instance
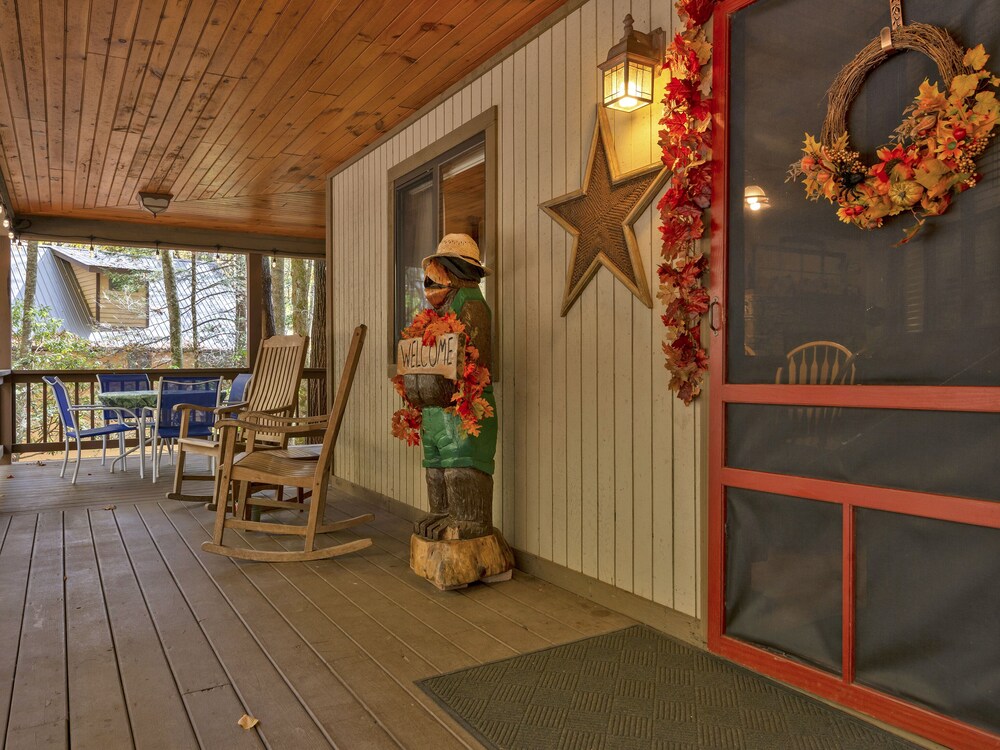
(429, 160)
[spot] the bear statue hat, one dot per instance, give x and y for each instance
(461, 247)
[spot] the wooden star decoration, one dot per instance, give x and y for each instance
(600, 216)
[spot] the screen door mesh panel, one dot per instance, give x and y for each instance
(783, 575)
(924, 314)
(928, 613)
(924, 451)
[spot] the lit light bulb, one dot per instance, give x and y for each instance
(10, 236)
(6, 223)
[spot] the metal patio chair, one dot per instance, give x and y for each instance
(169, 421)
(67, 415)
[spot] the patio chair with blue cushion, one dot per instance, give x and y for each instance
(239, 392)
(67, 415)
(169, 421)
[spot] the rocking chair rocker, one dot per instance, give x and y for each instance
(284, 469)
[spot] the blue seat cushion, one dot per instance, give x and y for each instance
(108, 429)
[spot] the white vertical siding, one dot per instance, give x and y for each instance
(598, 465)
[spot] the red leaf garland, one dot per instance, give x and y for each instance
(469, 404)
(686, 141)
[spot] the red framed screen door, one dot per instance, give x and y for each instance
(854, 514)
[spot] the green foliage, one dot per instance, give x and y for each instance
(50, 347)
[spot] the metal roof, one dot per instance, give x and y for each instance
(57, 290)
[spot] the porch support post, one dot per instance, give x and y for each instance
(255, 304)
(6, 386)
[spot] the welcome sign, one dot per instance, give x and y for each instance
(443, 357)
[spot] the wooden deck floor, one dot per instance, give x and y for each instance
(117, 631)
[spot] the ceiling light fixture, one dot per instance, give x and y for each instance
(155, 203)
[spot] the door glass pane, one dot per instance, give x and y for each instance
(926, 313)
(783, 575)
(950, 453)
(415, 240)
(463, 193)
(928, 613)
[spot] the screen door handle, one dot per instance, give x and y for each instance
(715, 316)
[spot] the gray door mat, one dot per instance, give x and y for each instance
(637, 688)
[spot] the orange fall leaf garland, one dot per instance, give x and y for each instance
(686, 140)
(468, 402)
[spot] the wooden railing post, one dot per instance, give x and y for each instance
(6, 324)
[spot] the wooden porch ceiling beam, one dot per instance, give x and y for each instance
(56, 228)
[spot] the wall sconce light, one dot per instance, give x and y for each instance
(755, 198)
(155, 203)
(628, 72)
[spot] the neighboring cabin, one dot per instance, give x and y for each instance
(117, 302)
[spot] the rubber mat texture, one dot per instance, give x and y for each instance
(637, 688)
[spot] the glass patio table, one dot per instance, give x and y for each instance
(135, 404)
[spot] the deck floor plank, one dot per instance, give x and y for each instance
(156, 709)
(254, 671)
(175, 644)
(39, 712)
(98, 717)
(525, 599)
(15, 563)
(208, 695)
(348, 720)
(381, 666)
(396, 562)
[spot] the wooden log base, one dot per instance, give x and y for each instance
(455, 563)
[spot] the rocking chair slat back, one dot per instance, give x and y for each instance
(336, 417)
(276, 377)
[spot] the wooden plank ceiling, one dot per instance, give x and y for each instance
(239, 108)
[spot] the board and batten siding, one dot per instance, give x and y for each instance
(599, 467)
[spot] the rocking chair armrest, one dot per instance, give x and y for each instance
(276, 412)
(234, 406)
(311, 426)
(194, 407)
(279, 419)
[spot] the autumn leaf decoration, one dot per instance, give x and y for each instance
(686, 141)
(931, 157)
(468, 402)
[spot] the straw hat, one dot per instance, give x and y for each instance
(462, 247)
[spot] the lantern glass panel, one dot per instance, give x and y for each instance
(614, 84)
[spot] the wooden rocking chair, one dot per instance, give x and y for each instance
(276, 377)
(285, 468)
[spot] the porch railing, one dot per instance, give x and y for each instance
(33, 419)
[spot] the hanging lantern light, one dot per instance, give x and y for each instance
(629, 70)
